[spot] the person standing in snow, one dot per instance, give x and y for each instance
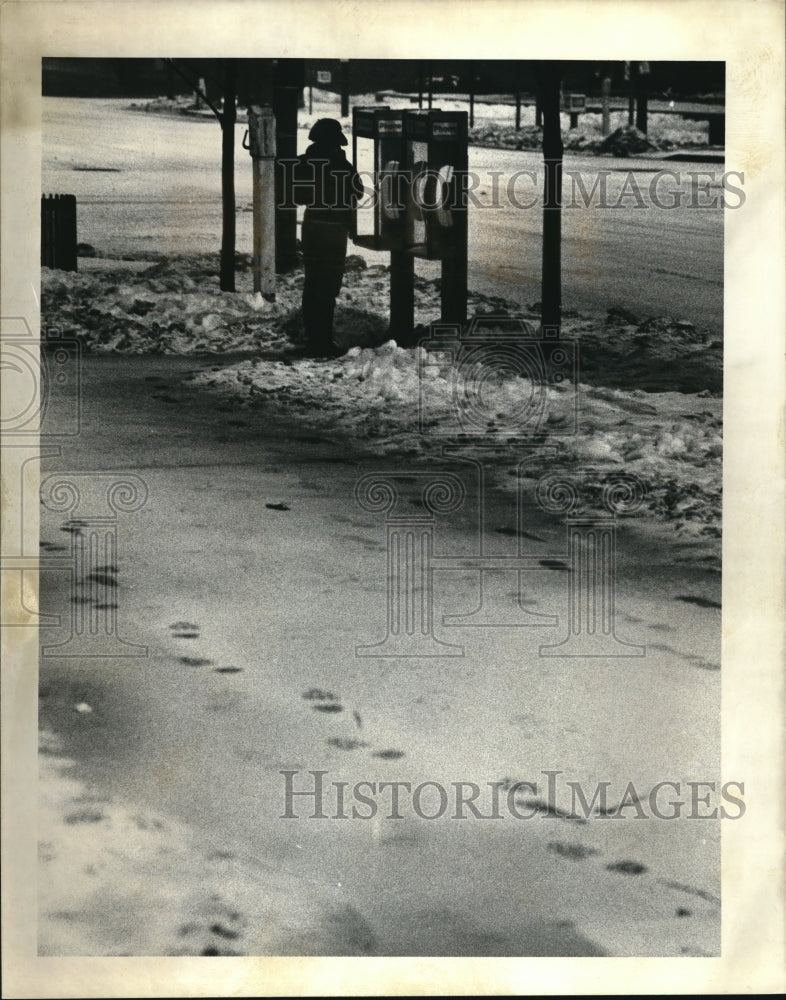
(330, 188)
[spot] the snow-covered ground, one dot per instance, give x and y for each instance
(494, 123)
(206, 901)
(122, 840)
(648, 398)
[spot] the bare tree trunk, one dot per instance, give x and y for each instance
(345, 88)
(228, 118)
(633, 73)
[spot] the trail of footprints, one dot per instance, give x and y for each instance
(575, 851)
(321, 701)
(328, 703)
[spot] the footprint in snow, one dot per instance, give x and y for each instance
(553, 564)
(184, 630)
(518, 533)
(317, 694)
(74, 527)
(627, 867)
(576, 852)
(346, 744)
(702, 602)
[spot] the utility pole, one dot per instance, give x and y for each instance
(288, 81)
(605, 99)
(228, 118)
(262, 146)
(471, 94)
(641, 96)
(549, 73)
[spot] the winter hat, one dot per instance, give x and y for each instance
(327, 130)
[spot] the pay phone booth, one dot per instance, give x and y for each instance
(379, 153)
(418, 161)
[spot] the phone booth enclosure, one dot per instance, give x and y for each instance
(379, 155)
(437, 146)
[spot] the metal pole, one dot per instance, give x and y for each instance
(518, 110)
(430, 84)
(262, 145)
(453, 293)
(420, 87)
(551, 279)
(402, 294)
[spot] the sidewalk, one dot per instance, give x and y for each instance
(276, 600)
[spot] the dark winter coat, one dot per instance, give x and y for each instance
(327, 184)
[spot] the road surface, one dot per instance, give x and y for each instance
(147, 182)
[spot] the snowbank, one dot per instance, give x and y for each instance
(648, 399)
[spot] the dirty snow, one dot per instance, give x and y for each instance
(648, 394)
